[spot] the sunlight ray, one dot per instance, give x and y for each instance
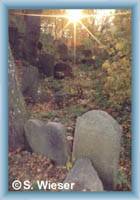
(74, 45)
(64, 15)
(39, 15)
(123, 13)
(67, 24)
(74, 26)
(93, 36)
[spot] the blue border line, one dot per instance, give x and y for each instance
(69, 4)
(4, 98)
(9, 4)
(136, 100)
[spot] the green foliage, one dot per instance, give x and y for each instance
(121, 178)
(55, 84)
(48, 45)
(117, 66)
(117, 81)
(76, 110)
(49, 115)
(44, 115)
(85, 67)
(69, 164)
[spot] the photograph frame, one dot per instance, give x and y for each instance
(5, 5)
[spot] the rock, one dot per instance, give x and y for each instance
(62, 70)
(84, 176)
(47, 139)
(46, 64)
(29, 82)
(97, 136)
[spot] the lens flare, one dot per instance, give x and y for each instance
(74, 15)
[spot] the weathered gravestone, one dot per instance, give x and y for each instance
(84, 177)
(46, 64)
(97, 136)
(17, 109)
(62, 70)
(47, 139)
(30, 82)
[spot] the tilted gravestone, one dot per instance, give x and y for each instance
(47, 139)
(18, 114)
(97, 137)
(84, 177)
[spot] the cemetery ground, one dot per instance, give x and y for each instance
(26, 165)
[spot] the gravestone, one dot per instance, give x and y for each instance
(62, 70)
(97, 136)
(30, 82)
(47, 139)
(46, 64)
(84, 177)
(17, 114)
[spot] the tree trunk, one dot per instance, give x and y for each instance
(24, 34)
(32, 35)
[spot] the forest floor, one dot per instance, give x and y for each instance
(86, 94)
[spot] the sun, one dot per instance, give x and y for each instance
(74, 15)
